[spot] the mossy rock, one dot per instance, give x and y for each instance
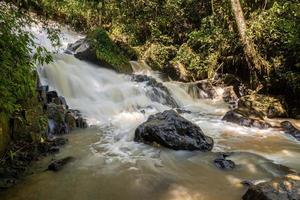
(263, 105)
(108, 52)
(99, 49)
(56, 113)
(70, 120)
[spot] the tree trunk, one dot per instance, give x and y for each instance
(255, 62)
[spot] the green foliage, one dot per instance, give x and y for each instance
(276, 32)
(108, 51)
(17, 80)
(158, 56)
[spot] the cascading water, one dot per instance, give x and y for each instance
(110, 165)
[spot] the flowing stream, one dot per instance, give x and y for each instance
(109, 165)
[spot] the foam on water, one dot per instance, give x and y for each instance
(118, 105)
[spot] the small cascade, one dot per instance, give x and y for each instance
(140, 67)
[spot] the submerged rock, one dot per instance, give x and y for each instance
(158, 93)
(171, 130)
(243, 118)
(281, 188)
(60, 141)
(222, 163)
(290, 129)
(57, 165)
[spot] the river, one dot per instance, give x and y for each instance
(109, 165)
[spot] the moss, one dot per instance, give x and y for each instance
(30, 122)
(264, 105)
(158, 56)
(108, 52)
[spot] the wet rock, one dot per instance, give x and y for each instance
(83, 50)
(247, 183)
(63, 102)
(81, 123)
(51, 95)
(290, 129)
(57, 165)
(229, 96)
(268, 106)
(201, 89)
(70, 120)
(243, 118)
(56, 112)
(222, 163)
(73, 47)
(56, 122)
(281, 188)
(171, 130)
(158, 93)
(208, 89)
(42, 91)
(181, 111)
(7, 183)
(60, 141)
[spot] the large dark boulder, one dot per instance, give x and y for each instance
(281, 188)
(171, 130)
(290, 129)
(241, 117)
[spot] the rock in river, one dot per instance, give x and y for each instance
(171, 130)
(243, 118)
(57, 165)
(222, 163)
(290, 129)
(280, 188)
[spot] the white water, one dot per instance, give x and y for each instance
(118, 105)
(107, 154)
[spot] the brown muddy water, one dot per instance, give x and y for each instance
(109, 165)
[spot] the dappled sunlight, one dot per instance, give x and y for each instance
(236, 182)
(178, 192)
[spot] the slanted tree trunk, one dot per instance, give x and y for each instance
(255, 62)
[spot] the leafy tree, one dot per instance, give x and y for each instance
(17, 62)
